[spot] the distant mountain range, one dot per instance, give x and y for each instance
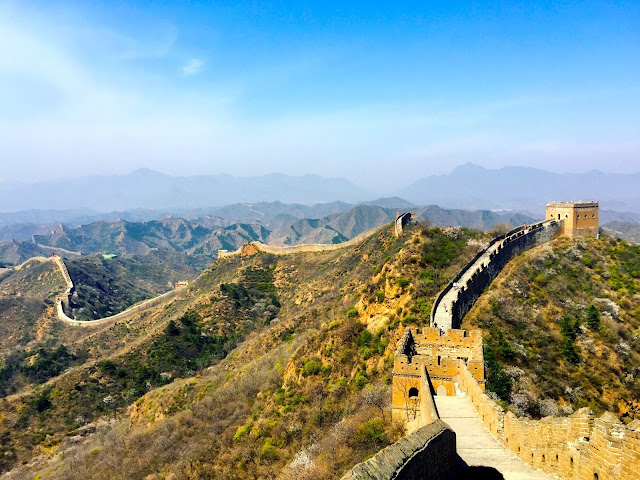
(519, 188)
(273, 223)
(148, 189)
(146, 194)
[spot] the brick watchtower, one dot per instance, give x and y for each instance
(578, 218)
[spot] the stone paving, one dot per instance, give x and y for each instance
(443, 316)
(476, 445)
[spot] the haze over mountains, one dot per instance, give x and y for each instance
(148, 189)
(515, 188)
(468, 186)
(273, 223)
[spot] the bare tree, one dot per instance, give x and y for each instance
(377, 396)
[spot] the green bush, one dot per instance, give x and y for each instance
(242, 432)
(352, 312)
(497, 381)
(268, 451)
(402, 282)
(360, 380)
(371, 432)
(569, 329)
(312, 367)
(409, 319)
(593, 318)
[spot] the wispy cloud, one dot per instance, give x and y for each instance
(192, 67)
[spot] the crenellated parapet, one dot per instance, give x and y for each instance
(579, 446)
(428, 361)
(457, 298)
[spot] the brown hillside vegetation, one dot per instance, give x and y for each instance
(562, 329)
(25, 295)
(264, 367)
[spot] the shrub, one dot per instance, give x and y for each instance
(360, 380)
(497, 381)
(570, 329)
(312, 367)
(593, 318)
(364, 338)
(352, 312)
(371, 432)
(241, 432)
(402, 282)
(269, 452)
(409, 319)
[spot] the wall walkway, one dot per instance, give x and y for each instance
(452, 304)
(578, 446)
(476, 445)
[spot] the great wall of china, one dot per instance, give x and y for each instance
(122, 316)
(439, 376)
(252, 247)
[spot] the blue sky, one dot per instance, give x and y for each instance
(354, 89)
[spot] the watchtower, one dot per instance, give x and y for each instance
(578, 218)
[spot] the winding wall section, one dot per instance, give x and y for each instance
(452, 304)
(303, 248)
(579, 446)
(125, 315)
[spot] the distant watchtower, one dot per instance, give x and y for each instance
(578, 218)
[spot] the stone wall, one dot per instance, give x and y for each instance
(304, 248)
(578, 446)
(514, 243)
(122, 316)
(401, 220)
(429, 361)
(429, 453)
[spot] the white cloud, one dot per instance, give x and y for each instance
(192, 67)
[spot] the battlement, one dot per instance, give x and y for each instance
(591, 204)
(439, 357)
(578, 218)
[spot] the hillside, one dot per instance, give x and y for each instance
(271, 223)
(105, 286)
(25, 296)
(562, 329)
(265, 366)
(625, 230)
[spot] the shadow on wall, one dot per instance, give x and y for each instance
(480, 473)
